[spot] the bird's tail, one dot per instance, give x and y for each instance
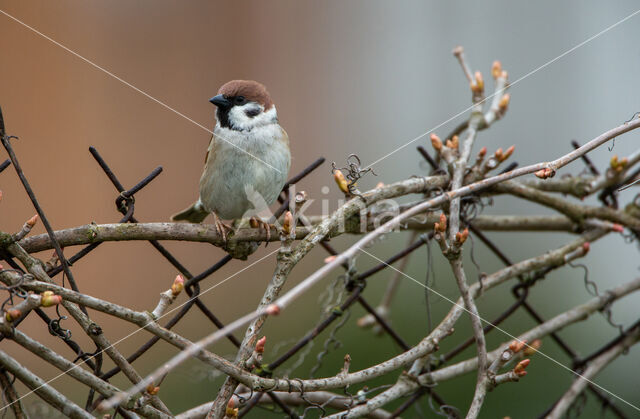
(194, 214)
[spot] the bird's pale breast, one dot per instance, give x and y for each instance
(245, 172)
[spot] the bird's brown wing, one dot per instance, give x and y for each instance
(210, 149)
(285, 136)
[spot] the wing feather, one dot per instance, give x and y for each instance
(209, 149)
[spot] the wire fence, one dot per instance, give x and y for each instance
(353, 285)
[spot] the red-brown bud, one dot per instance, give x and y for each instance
(532, 348)
(517, 345)
(254, 223)
(477, 86)
(496, 69)
(545, 173)
(50, 299)
(32, 221)
(461, 236)
(520, 367)
(586, 246)
(618, 165)
(618, 228)
(153, 390)
(287, 224)
(341, 181)
(508, 153)
(177, 286)
(442, 225)
(231, 411)
(436, 142)
(330, 259)
(272, 310)
(455, 142)
(504, 102)
(12, 314)
(614, 161)
(260, 344)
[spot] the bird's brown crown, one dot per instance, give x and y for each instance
(251, 90)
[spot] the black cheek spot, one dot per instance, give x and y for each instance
(252, 112)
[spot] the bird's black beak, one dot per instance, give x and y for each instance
(220, 101)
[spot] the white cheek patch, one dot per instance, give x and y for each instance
(239, 120)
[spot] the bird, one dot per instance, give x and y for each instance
(247, 161)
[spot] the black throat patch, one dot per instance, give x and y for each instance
(223, 117)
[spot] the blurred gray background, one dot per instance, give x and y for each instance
(359, 77)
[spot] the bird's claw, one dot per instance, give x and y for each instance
(221, 229)
(263, 225)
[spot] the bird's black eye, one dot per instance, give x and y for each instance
(239, 100)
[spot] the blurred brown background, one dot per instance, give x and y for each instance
(358, 76)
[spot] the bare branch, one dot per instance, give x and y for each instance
(595, 366)
(463, 191)
(42, 389)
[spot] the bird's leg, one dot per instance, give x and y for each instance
(221, 227)
(257, 222)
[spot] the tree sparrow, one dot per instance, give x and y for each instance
(248, 158)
